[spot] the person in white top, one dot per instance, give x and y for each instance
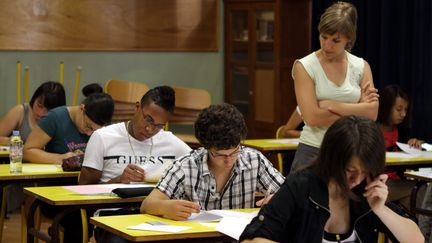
(134, 151)
(121, 153)
(331, 82)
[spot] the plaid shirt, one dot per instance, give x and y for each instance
(189, 178)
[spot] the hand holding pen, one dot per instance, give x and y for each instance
(268, 195)
(132, 173)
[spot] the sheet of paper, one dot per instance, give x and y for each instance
(427, 147)
(234, 214)
(285, 141)
(159, 228)
(40, 168)
(233, 227)
(406, 148)
(154, 171)
(204, 216)
(400, 155)
(101, 188)
(4, 148)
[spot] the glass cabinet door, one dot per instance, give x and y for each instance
(240, 89)
(239, 35)
(265, 36)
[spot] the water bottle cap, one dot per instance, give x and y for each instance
(15, 133)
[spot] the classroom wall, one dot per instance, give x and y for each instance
(191, 69)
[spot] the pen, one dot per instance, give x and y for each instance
(268, 192)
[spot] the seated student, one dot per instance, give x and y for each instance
(393, 117)
(221, 175)
(64, 131)
(118, 153)
(24, 117)
(341, 197)
(292, 128)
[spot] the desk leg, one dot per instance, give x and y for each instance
(55, 233)
(3, 198)
(413, 200)
(31, 230)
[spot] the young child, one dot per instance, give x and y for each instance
(393, 117)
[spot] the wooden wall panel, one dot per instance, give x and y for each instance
(109, 25)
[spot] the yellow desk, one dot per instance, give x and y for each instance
(422, 178)
(117, 225)
(31, 173)
(197, 233)
(271, 145)
(393, 163)
(4, 153)
(59, 196)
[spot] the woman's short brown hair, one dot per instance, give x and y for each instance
(341, 17)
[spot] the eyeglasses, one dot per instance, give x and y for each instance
(151, 123)
(234, 154)
(87, 126)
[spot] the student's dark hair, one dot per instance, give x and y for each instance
(91, 88)
(52, 95)
(163, 96)
(99, 106)
(348, 137)
(220, 126)
(387, 100)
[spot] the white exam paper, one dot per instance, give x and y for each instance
(233, 227)
(286, 141)
(204, 216)
(406, 148)
(159, 228)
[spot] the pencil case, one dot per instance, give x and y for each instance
(132, 191)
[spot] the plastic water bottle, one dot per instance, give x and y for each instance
(16, 153)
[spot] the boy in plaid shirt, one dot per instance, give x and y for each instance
(220, 175)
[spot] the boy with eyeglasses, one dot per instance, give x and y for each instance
(119, 153)
(221, 175)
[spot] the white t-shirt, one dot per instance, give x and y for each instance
(348, 92)
(109, 150)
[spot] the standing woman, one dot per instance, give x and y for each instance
(331, 82)
(63, 132)
(24, 117)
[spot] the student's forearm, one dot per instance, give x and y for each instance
(155, 207)
(43, 157)
(405, 230)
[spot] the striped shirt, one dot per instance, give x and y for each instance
(189, 178)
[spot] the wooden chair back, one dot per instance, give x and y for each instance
(125, 94)
(189, 103)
